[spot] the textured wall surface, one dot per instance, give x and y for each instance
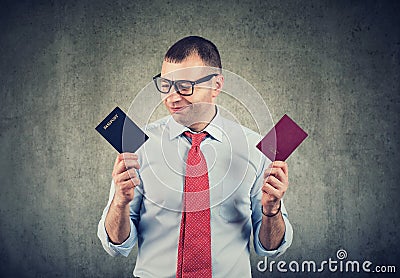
(332, 66)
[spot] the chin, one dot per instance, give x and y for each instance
(183, 117)
(179, 118)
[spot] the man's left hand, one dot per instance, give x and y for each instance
(276, 182)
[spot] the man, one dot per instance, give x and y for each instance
(194, 192)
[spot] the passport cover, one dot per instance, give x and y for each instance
(282, 139)
(121, 132)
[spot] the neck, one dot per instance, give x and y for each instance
(207, 117)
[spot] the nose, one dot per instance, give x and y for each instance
(173, 96)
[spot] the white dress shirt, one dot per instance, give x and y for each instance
(235, 169)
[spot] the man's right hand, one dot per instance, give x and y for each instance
(125, 178)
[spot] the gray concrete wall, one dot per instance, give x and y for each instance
(333, 66)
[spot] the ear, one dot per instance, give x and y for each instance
(219, 83)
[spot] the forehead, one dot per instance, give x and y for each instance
(191, 68)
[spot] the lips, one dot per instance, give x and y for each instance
(177, 109)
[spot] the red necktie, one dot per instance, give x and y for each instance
(194, 250)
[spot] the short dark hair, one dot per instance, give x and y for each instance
(187, 46)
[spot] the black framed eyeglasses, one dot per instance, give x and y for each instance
(182, 87)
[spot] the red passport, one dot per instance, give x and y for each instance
(282, 139)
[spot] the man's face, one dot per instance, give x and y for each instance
(197, 110)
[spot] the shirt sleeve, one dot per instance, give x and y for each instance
(125, 247)
(257, 219)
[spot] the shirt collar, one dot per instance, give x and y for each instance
(214, 128)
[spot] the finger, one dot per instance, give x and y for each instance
(134, 177)
(124, 165)
(270, 190)
(136, 181)
(273, 181)
(124, 156)
(128, 155)
(280, 164)
(127, 188)
(127, 185)
(119, 168)
(273, 191)
(267, 171)
(130, 163)
(278, 173)
(132, 183)
(127, 175)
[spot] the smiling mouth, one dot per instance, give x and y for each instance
(177, 109)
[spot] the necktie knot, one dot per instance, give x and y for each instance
(196, 137)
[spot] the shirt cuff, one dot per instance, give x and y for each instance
(286, 242)
(117, 249)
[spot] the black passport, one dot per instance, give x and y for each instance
(121, 132)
